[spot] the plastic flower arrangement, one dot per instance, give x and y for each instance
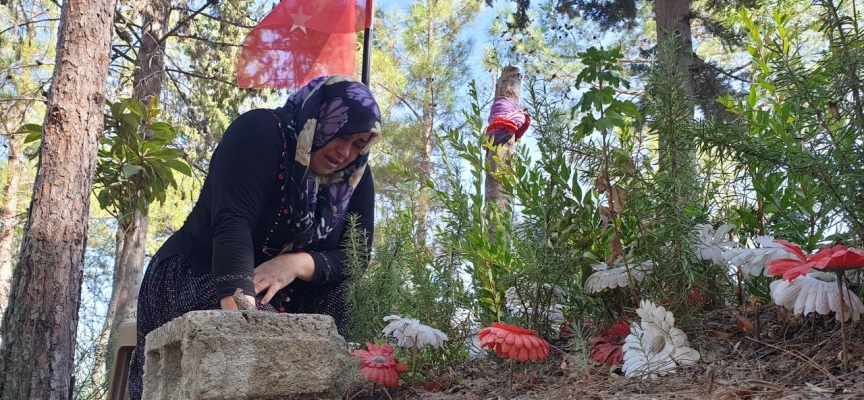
(410, 333)
(513, 342)
(608, 348)
(753, 261)
(655, 347)
(610, 278)
(837, 259)
(816, 292)
(710, 246)
(378, 365)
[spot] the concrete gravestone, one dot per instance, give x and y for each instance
(214, 355)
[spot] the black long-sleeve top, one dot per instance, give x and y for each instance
(239, 203)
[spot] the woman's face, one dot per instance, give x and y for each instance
(338, 153)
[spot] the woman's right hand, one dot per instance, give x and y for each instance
(228, 303)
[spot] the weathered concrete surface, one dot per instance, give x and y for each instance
(216, 355)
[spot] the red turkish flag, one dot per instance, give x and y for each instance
(300, 40)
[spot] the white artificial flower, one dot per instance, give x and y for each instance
(409, 333)
(752, 261)
(816, 292)
(610, 278)
(517, 305)
(655, 347)
(710, 246)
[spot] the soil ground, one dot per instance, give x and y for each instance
(779, 357)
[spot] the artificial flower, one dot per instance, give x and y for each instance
(410, 333)
(834, 258)
(816, 292)
(655, 347)
(710, 247)
(791, 267)
(752, 261)
(607, 348)
(838, 258)
(511, 341)
(610, 278)
(378, 365)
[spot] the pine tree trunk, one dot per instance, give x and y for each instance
(40, 324)
(9, 217)
(131, 232)
(673, 23)
(509, 85)
(428, 127)
(673, 19)
(426, 166)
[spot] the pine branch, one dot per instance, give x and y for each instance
(185, 21)
(203, 39)
(28, 23)
(199, 76)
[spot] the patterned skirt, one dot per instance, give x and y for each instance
(170, 289)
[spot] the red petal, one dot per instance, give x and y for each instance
(792, 248)
(523, 354)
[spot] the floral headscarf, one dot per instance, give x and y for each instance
(326, 108)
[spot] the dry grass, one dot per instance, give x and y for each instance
(788, 358)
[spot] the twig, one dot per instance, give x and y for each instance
(36, 21)
(194, 75)
(801, 357)
(185, 21)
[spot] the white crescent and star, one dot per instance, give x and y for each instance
(299, 20)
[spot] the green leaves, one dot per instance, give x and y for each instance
(137, 158)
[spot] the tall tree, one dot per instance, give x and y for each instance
(509, 85)
(40, 324)
(131, 236)
(674, 18)
(25, 64)
(426, 64)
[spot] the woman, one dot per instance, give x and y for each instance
(271, 217)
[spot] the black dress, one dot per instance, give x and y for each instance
(230, 230)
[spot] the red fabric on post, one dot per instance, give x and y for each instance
(300, 40)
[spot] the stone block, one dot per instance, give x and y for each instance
(216, 355)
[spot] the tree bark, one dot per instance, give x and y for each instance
(673, 28)
(39, 327)
(673, 20)
(509, 85)
(131, 235)
(9, 217)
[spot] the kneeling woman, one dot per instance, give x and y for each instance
(271, 217)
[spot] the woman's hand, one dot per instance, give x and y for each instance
(275, 274)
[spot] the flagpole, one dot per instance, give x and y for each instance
(367, 45)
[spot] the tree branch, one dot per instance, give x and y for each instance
(199, 76)
(28, 23)
(186, 20)
(215, 18)
(203, 39)
(403, 101)
(117, 51)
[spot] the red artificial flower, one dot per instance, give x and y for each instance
(608, 348)
(510, 341)
(838, 258)
(790, 268)
(378, 364)
(699, 296)
(827, 259)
